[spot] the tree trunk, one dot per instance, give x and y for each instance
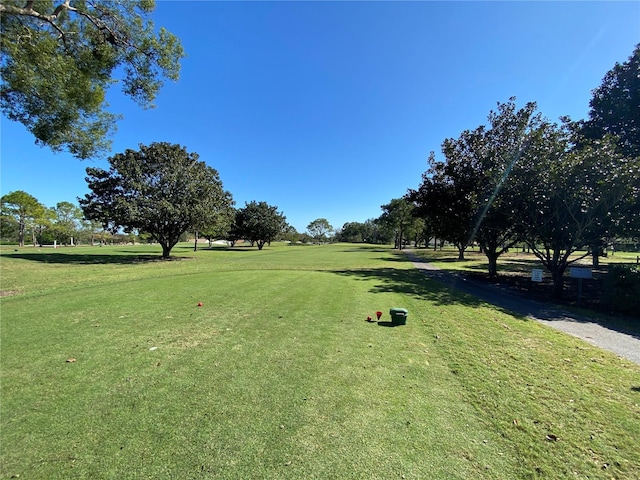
(166, 250)
(260, 244)
(195, 243)
(595, 256)
(493, 264)
(558, 283)
(461, 250)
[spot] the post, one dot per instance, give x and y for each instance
(579, 290)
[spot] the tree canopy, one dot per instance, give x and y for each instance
(369, 231)
(471, 195)
(447, 202)
(258, 222)
(397, 216)
(319, 229)
(523, 178)
(574, 194)
(24, 209)
(160, 189)
(615, 106)
(59, 57)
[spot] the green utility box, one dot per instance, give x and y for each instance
(398, 316)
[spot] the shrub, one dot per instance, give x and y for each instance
(622, 288)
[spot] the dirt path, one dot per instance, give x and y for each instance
(622, 344)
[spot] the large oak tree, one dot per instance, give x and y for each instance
(59, 57)
(160, 189)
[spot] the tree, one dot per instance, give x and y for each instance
(614, 181)
(398, 216)
(24, 209)
(615, 106)
(352, 232)
(573, 191)
(234, 232)
(472, 195)
(420, 231)
(160, 189)
(259, 222)
(290, 234)
(8, 229)
(319, 228)
(496, 151)
(92, 229)
(59, 57)
(66, 221)
(447, 201)
(217, 225)
(614, 115)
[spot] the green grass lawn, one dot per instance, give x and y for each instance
(278, 375)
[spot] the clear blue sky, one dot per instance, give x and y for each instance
(330, 109)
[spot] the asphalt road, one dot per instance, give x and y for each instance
(622, 344)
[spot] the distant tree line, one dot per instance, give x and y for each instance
(159, 193)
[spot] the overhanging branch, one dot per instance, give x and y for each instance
(29, 11)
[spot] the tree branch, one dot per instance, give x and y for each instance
(29, 11)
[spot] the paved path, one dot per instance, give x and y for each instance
(622, 344)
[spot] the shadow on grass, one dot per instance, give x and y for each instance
(446, 288)
(410, 282)
(367, 248)
(122, 258)
(510, 266)
(388, 324)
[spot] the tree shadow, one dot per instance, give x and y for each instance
(90, 259)
(445, 288)
(367, 247)
(411, 282)
(510, 266)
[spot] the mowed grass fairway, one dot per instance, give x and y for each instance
(278, 375)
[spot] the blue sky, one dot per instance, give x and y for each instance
(330, 109)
